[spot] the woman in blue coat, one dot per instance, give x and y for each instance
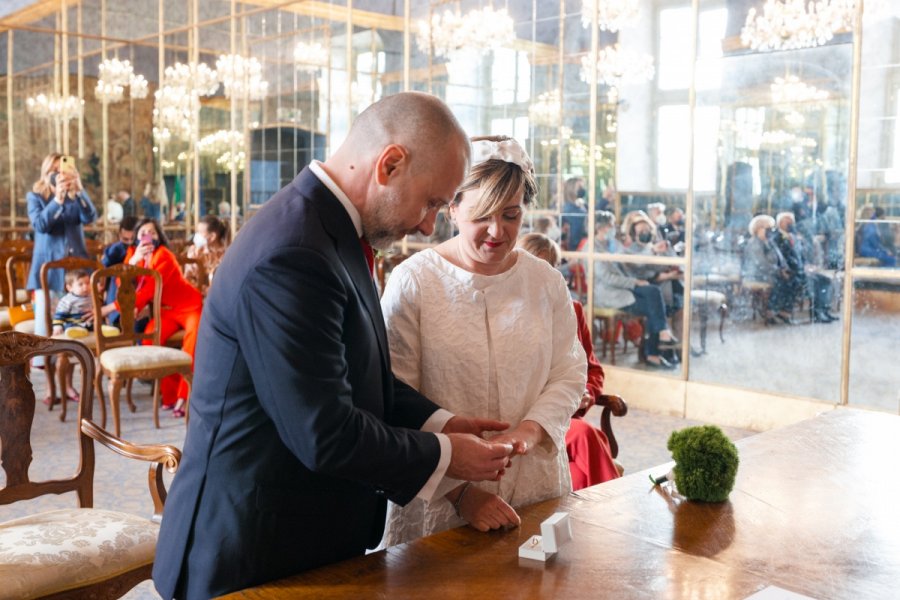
(58, 207)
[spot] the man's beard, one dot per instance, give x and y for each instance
(379, 224)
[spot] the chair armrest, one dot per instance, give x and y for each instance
(612, 405)
(161, 455)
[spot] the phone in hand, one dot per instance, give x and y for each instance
(147, 239)
(67, 165)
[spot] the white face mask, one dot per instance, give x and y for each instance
(199, 240)
(660, 219)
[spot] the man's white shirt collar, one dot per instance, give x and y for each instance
(316, 167)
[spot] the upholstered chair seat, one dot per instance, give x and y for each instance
(25, 326)
(62, 550)
(140, 358)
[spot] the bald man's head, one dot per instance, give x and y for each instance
(420, 122)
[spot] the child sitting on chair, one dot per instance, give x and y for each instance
(74, 316)
(75, 308)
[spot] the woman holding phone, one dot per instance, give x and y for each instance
(181, 302)
(58, 207)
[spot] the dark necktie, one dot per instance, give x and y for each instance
(370, 254)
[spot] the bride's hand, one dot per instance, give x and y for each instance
(485, 511)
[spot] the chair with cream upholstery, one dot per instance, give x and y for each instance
(70, 553)
(120, 358)
(67, 264)
(17, 266)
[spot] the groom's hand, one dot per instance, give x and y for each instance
(473, 425)
(473, 459)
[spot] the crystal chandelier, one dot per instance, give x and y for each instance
(55, 107)
(547, 109)
(219, 144)
(242, 77)
(616, 65)
(790, 90)
(176, 108)
(480, 30)
(612, 14)
(115, 76)
(792, 24)
(194, 77)
(310, 57)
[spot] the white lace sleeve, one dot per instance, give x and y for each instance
(400, 305)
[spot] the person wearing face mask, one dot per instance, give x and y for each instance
(803, 281)
(672, 230)
(208, 246)
(615, 288)
(645, 241)
(762, 263)
(181, 302)
(657, 213)
(483, 327)
(58, 208)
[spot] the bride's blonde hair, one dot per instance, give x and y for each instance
(499, 180)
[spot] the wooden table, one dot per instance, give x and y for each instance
(816, 510)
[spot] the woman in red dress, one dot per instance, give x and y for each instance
(181, 303)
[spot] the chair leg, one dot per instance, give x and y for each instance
(98, 386)
(723, 312)
(187, 401)
(613, 335)
(156, 395)
(64, 397)
(128, 384)
(115, 388)
(50, 370)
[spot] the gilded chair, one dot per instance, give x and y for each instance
(607, 324)
(67, 264)
(79, 552)
(124, 356)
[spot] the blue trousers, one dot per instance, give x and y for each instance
(648, 302)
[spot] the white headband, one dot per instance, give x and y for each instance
(508, 151)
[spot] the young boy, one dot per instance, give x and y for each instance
(74, 310)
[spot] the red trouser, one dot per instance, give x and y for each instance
(590, 460)
(174, 387)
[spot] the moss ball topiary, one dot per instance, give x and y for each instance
(706, 463)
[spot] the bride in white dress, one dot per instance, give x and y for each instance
(483, 328)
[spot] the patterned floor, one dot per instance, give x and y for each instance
(121, 484)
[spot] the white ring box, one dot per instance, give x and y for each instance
(555, 532)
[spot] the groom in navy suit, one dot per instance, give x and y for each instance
(299, 433)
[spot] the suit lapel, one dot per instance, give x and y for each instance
(337, 223)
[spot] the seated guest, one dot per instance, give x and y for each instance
(645, 240)
(114, 254)
(181, 303)
(614, 288)
(590, 459)
(804, 282)
(762, 262)
(209, 245)
(869, 240)
(484, 328)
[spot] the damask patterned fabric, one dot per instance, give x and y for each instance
(143, 357)
(64, 549)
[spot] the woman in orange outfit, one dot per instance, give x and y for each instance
(181, 302)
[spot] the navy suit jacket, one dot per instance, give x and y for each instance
(299, 431)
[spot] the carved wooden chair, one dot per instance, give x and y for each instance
(70, 553)
(613, 405)
(94, 248)
(17, 263)
(120, 358)
(67, 264)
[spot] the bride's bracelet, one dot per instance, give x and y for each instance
(460, 497)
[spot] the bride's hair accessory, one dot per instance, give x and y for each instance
(507, 150)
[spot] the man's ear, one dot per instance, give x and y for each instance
(393, 157)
